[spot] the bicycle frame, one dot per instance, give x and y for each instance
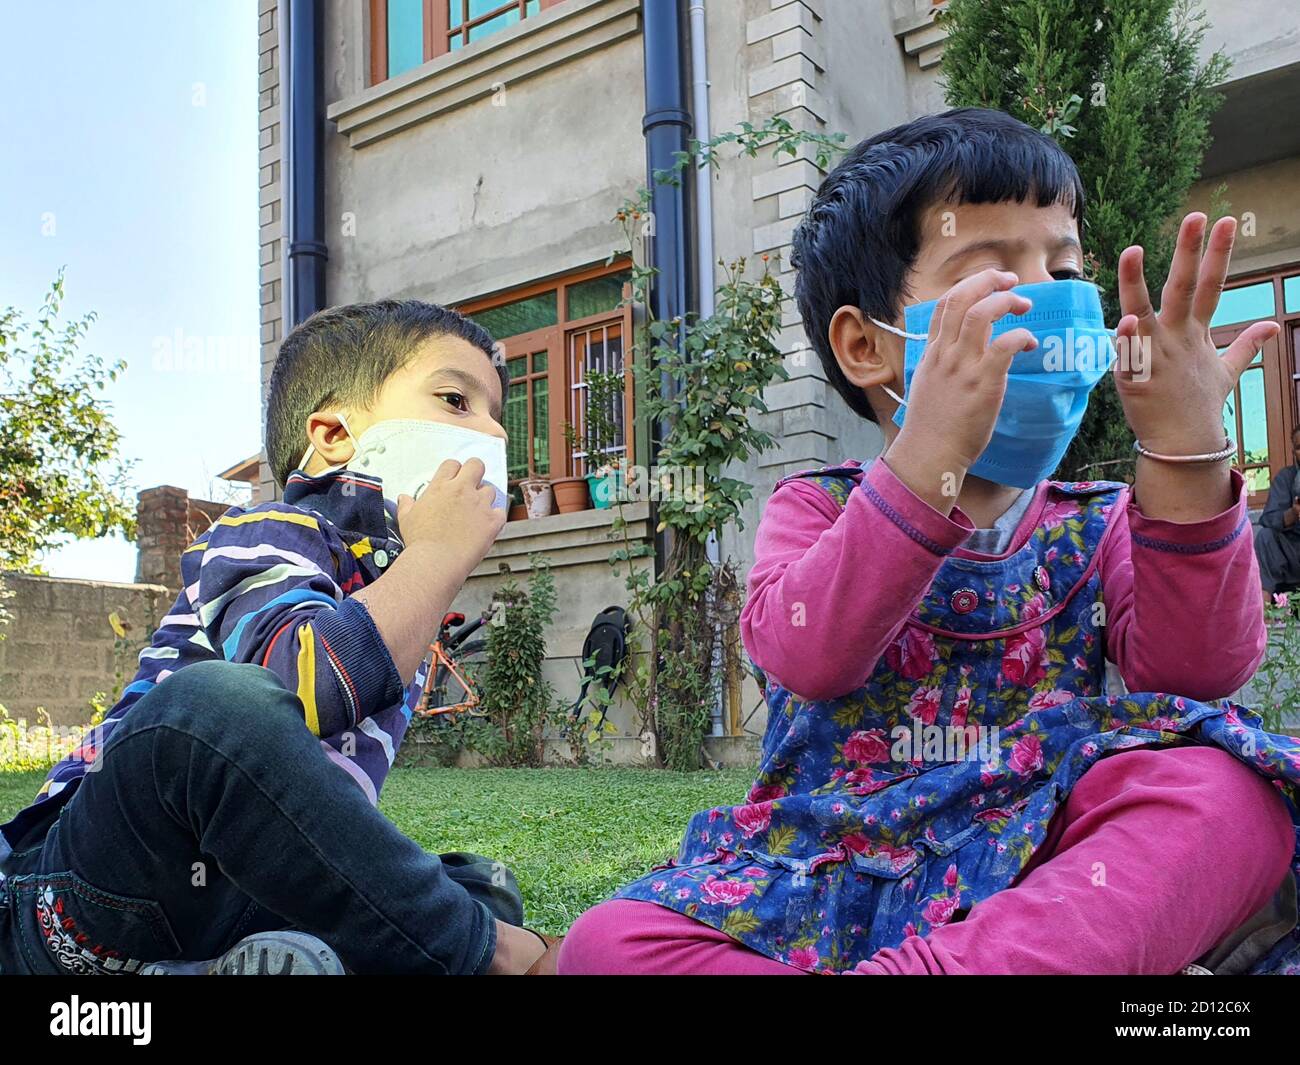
(440, 649)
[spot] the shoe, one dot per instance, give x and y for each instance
(263, 954)
(1195, 970)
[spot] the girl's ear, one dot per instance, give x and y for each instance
(868, 355)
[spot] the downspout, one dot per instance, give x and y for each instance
(667, 127)
(304, 212)
(704, 272)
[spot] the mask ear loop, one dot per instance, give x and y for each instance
(906, 336)
(311, 449)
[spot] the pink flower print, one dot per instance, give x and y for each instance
(803, 957)
(961, 707)
(1050, 554)
(924, 704)
(950, 877)
(1025, 659)
(866, 746)
(753, 819)
(1057, 511)
(1027, 755)
(714, 814)
(766, 792)
(1089, 749)
(658, 885)
(683, 893)
(754, 870)
(1079, 662)
(726, 839)
(837, 808)
(912, 654)
(725, 892)
(939, 911)
(1048, 699)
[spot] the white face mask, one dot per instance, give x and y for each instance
(405, 453)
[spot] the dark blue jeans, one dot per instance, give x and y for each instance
(213, 813)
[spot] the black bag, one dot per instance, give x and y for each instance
(603, 652)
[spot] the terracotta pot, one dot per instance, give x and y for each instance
(570, 494)
(538, 497)
(518, 512)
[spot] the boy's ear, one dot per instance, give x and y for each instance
(330, 439)
(862, 349)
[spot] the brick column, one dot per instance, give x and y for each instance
(167, 522)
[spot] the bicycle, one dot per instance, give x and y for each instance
(452, 651)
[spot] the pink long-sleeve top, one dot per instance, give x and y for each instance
(1183, 611)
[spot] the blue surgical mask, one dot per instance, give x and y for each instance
(1047, 388)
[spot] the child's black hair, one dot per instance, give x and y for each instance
(861, 234)
(343, 355)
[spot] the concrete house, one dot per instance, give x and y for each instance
(474, 153)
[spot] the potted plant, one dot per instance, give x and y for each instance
(604, 477)
(570, 492)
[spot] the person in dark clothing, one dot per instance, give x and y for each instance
(1277, 540)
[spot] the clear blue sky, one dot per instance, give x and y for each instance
(132, 127)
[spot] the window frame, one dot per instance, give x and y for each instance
(1278, 358)
(436, 26)
(556, 340)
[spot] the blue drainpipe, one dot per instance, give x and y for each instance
(667, 129)
(304, 209)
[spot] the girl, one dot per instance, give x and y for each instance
(948, 784)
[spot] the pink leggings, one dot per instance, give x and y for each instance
(1155, 857)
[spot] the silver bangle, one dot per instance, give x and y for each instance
(1228, 451)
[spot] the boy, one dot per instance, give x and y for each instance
(951, 587)
(223, 815)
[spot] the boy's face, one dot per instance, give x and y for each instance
(958, 240)
(447, 380)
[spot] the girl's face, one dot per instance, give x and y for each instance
(958, 240)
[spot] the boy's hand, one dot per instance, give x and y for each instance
(454, 515)
(1178, 408)
(958, 386)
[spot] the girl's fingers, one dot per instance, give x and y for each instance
(1242, 351)
(1180, 286)
(1126, 339)
(950, 311)
(1008, 346)
(1214, 270)
(977, 328)
(1133, 296)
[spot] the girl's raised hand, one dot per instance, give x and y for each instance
(1173, 395)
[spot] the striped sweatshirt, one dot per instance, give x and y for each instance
(270, 585)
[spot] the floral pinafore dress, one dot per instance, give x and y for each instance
(879, 814)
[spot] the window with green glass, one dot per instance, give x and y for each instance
(600, 295)
(1291, 294)
(522, 316)
(1245, 304)
(405, 35)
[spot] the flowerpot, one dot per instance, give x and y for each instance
(605, 488)
(538, 497)
(518, 512)
(570, 494)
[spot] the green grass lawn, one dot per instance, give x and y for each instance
(570, 835)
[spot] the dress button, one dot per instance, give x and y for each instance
(964, 600)
(1042, 578)
(381, 558)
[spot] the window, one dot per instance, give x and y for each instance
(1261, 413)
(406, 33)
(554, 333)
